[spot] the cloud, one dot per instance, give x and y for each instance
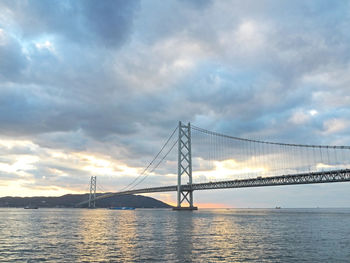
(106, 23)
(336, 125)
(113, 79)
(13, 61)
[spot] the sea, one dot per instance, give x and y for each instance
(163, 235)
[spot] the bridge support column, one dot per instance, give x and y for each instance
(92, 194)
(184, 168)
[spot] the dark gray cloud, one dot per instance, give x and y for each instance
(79, 84)
(107, 23)
(13, 61)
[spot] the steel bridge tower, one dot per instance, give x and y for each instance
(184, 168)
(92, 194)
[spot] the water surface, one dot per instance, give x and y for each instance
(207, 235)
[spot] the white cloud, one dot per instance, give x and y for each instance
(302, 116)
(313, 112)
(45, 45)
(299, 117)
(335, 125)
(12, 143)
(247, 40)
(249, 35)
(229, 169)
(2, 37)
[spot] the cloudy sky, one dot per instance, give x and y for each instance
(96, 87)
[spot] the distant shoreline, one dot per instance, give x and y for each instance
(70, 201)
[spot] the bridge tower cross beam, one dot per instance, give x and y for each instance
(92, 194)
(184, 168)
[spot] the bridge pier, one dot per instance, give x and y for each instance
(184, 168)
(185, 208)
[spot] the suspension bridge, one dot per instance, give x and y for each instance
(238, 162)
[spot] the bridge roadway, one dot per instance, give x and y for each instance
(291, 179)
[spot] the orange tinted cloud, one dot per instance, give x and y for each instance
(213, 205)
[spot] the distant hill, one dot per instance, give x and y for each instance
(70, 200)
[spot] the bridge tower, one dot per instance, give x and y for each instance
(184, 168)
(92, 194)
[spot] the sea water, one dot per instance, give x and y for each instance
(163, 235)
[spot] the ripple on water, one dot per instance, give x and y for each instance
(235, 235)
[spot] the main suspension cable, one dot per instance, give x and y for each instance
(266, 142)
(155, 166)
(144, 171)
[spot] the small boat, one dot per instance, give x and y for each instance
(31, 207)
(122, 208)
(277, 207)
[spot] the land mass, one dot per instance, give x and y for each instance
(70, 200)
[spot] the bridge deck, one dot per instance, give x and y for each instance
(291, 179)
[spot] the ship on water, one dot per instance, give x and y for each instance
(30, 207)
